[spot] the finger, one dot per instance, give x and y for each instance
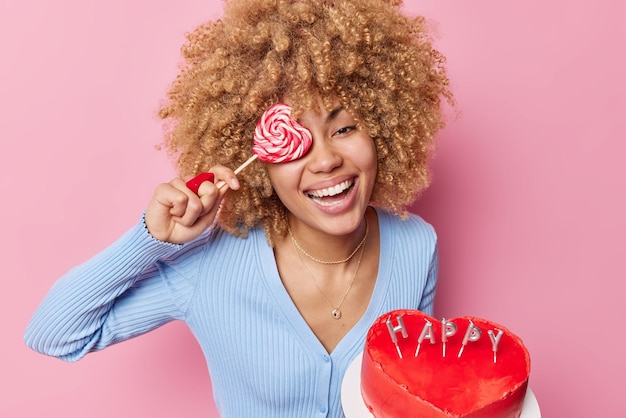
(225, 176)
(210, 196)
(186, 206)
(167, 201)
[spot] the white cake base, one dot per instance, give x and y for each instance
(354, 407)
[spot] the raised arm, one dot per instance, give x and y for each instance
(120, 293)
(115, 295)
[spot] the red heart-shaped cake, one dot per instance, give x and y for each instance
(484, 373)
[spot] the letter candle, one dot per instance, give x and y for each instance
(473, 333)
(448, 329)
(427, 332)
(394, 330)
(495, 340)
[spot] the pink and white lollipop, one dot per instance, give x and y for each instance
(277, 139)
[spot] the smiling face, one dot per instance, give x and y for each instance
(329, 188)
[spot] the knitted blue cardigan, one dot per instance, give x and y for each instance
(263, 359)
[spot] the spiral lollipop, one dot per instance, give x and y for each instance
(277, 139)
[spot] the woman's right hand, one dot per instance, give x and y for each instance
(177, 215)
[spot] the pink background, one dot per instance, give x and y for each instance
(528, 195)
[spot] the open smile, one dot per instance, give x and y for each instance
(330, 196)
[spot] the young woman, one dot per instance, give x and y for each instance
(279, 273)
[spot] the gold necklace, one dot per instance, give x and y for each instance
(317, 260)
(336, 312)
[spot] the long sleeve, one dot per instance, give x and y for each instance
(112, 297)
(262, 356)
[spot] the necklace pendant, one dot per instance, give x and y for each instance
(336, 313)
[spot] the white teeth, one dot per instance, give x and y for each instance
(332, 191)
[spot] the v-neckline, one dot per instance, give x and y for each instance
(292, 315)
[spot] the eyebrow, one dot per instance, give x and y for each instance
(333, 113)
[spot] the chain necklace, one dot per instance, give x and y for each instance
(336, 312)
(317, 260)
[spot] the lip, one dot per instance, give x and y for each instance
(337, 205)
(329, 183)
(331, 191)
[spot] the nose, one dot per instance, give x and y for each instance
(323, 157)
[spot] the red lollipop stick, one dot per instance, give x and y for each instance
(277, 139)
(194, 183)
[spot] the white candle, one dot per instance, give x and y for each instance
(394, 330)
(495, 340)
(427, 332)
(473, 333)
(448, 329)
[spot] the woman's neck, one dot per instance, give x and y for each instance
(323, 247)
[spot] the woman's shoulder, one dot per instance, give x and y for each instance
(412, 224)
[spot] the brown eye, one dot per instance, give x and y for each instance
(345, 130)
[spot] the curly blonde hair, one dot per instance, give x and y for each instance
(377, 62)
